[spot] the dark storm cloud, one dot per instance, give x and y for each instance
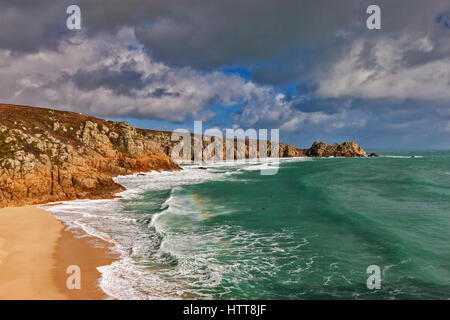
(162, 92)
(29, 25)
(212, 34)
(122, 81)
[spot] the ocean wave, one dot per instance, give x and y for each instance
(125, 280)
(138, 183)
(401, 157)
(170, 239)
(105, 219)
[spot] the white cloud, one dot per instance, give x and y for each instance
(51, 78)
(382, 71)
(284, 114)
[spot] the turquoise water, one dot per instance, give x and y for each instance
(308, 232)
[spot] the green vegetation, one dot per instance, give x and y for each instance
(32, 148)
(6, 149)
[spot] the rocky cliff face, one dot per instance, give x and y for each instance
(48, 155)
(166, 145)
(345, 149)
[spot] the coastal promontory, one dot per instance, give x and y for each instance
(49, 155)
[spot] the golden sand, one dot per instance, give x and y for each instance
(35, 252)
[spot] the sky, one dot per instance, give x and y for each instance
(309, 68)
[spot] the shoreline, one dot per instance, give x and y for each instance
(62, 247)
(35, 250)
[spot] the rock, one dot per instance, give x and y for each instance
(348, 149)
(288, 151)
(105, 129)
(345, 149)
(318, 149)
(373, 154)
(39, 166)
(113, 135)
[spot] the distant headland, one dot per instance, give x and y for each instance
(49, 155)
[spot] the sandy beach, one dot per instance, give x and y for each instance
(35, 251)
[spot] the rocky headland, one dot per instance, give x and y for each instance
(48, 155)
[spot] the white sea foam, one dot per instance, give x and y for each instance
(104, 219)
(401, 157)
(129, 278)
(124, 280)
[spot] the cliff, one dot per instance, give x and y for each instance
(318, 149)
(345, 149)
(49, 155)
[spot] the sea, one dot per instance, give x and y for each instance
(317, 229)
